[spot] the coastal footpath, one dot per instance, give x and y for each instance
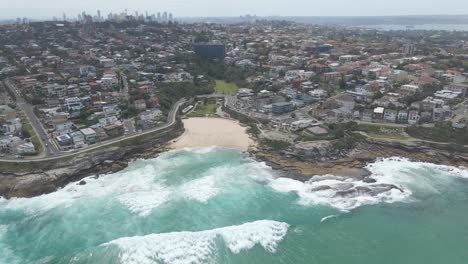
(302, 160)
(321, 159)
(299, 160)
(27, 178)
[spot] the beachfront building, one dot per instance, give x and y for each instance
(281, 108)
(89, 135)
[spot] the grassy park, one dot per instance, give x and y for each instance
(383, 131)
(222, 87)
(204, 109)
(444, 134)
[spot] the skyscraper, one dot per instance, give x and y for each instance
(409, 49)
(159, 16)
(170, 16)
(164, 17)
(99, 15)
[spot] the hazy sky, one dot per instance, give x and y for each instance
(194, 8)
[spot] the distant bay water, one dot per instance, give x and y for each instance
(214, 205)
(443, 27)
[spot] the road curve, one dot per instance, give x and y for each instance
(171, 119)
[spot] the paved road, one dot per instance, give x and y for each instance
(32, 119)
(171, 119)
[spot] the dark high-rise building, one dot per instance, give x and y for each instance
(210, 50)
(409, 49)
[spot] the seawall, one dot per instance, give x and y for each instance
(27, 179)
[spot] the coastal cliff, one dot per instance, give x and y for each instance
(306, 159)
(31, 179)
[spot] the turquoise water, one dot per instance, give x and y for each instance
(215, 205)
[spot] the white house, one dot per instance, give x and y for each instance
(26, 148)
(78, 139)
(390, 115)
(413, 117)
(89, 135)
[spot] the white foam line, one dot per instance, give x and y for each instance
(199, 247)
(327, 218)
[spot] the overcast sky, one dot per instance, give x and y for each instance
(197, 8)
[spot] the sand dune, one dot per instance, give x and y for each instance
(207, 132)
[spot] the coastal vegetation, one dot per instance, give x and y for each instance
(221, 71)
(345, 136)
(383, 131)
(347, 142)
(29, 131)
(253, 130)
(169, 93)
(440, 133)
(276, 145)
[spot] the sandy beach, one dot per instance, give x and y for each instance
(207, 132)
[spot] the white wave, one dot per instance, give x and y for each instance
(141, 188)
(327, 218)
(396, 181)
(199, 247)
(145, 184)
(196, 150)
(143, 203)
(6, 254)
(201, 189)
(343, 194)
(392, 168)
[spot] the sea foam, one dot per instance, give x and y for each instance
(141, 188)
(199, 247)
(396, 179)
(341, 193)
(6, 254)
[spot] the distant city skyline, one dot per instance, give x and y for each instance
(214, 8)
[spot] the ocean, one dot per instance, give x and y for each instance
(435, 27)
(214, 205)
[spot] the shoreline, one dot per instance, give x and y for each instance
(213, 131)
(228, 133)
(353, 164)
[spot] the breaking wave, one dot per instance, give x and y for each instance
(6, 253)
(392, 180)
(145, 184)
(199, 190)
(199, 247)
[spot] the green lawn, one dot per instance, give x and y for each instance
(203, 110)
(382, 131)
(29, 129)
(34, 138)
(223, 87)
(440, 134)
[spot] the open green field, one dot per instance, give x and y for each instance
(223, 87)
(383, 131)
(204, 110)
(440, 134)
